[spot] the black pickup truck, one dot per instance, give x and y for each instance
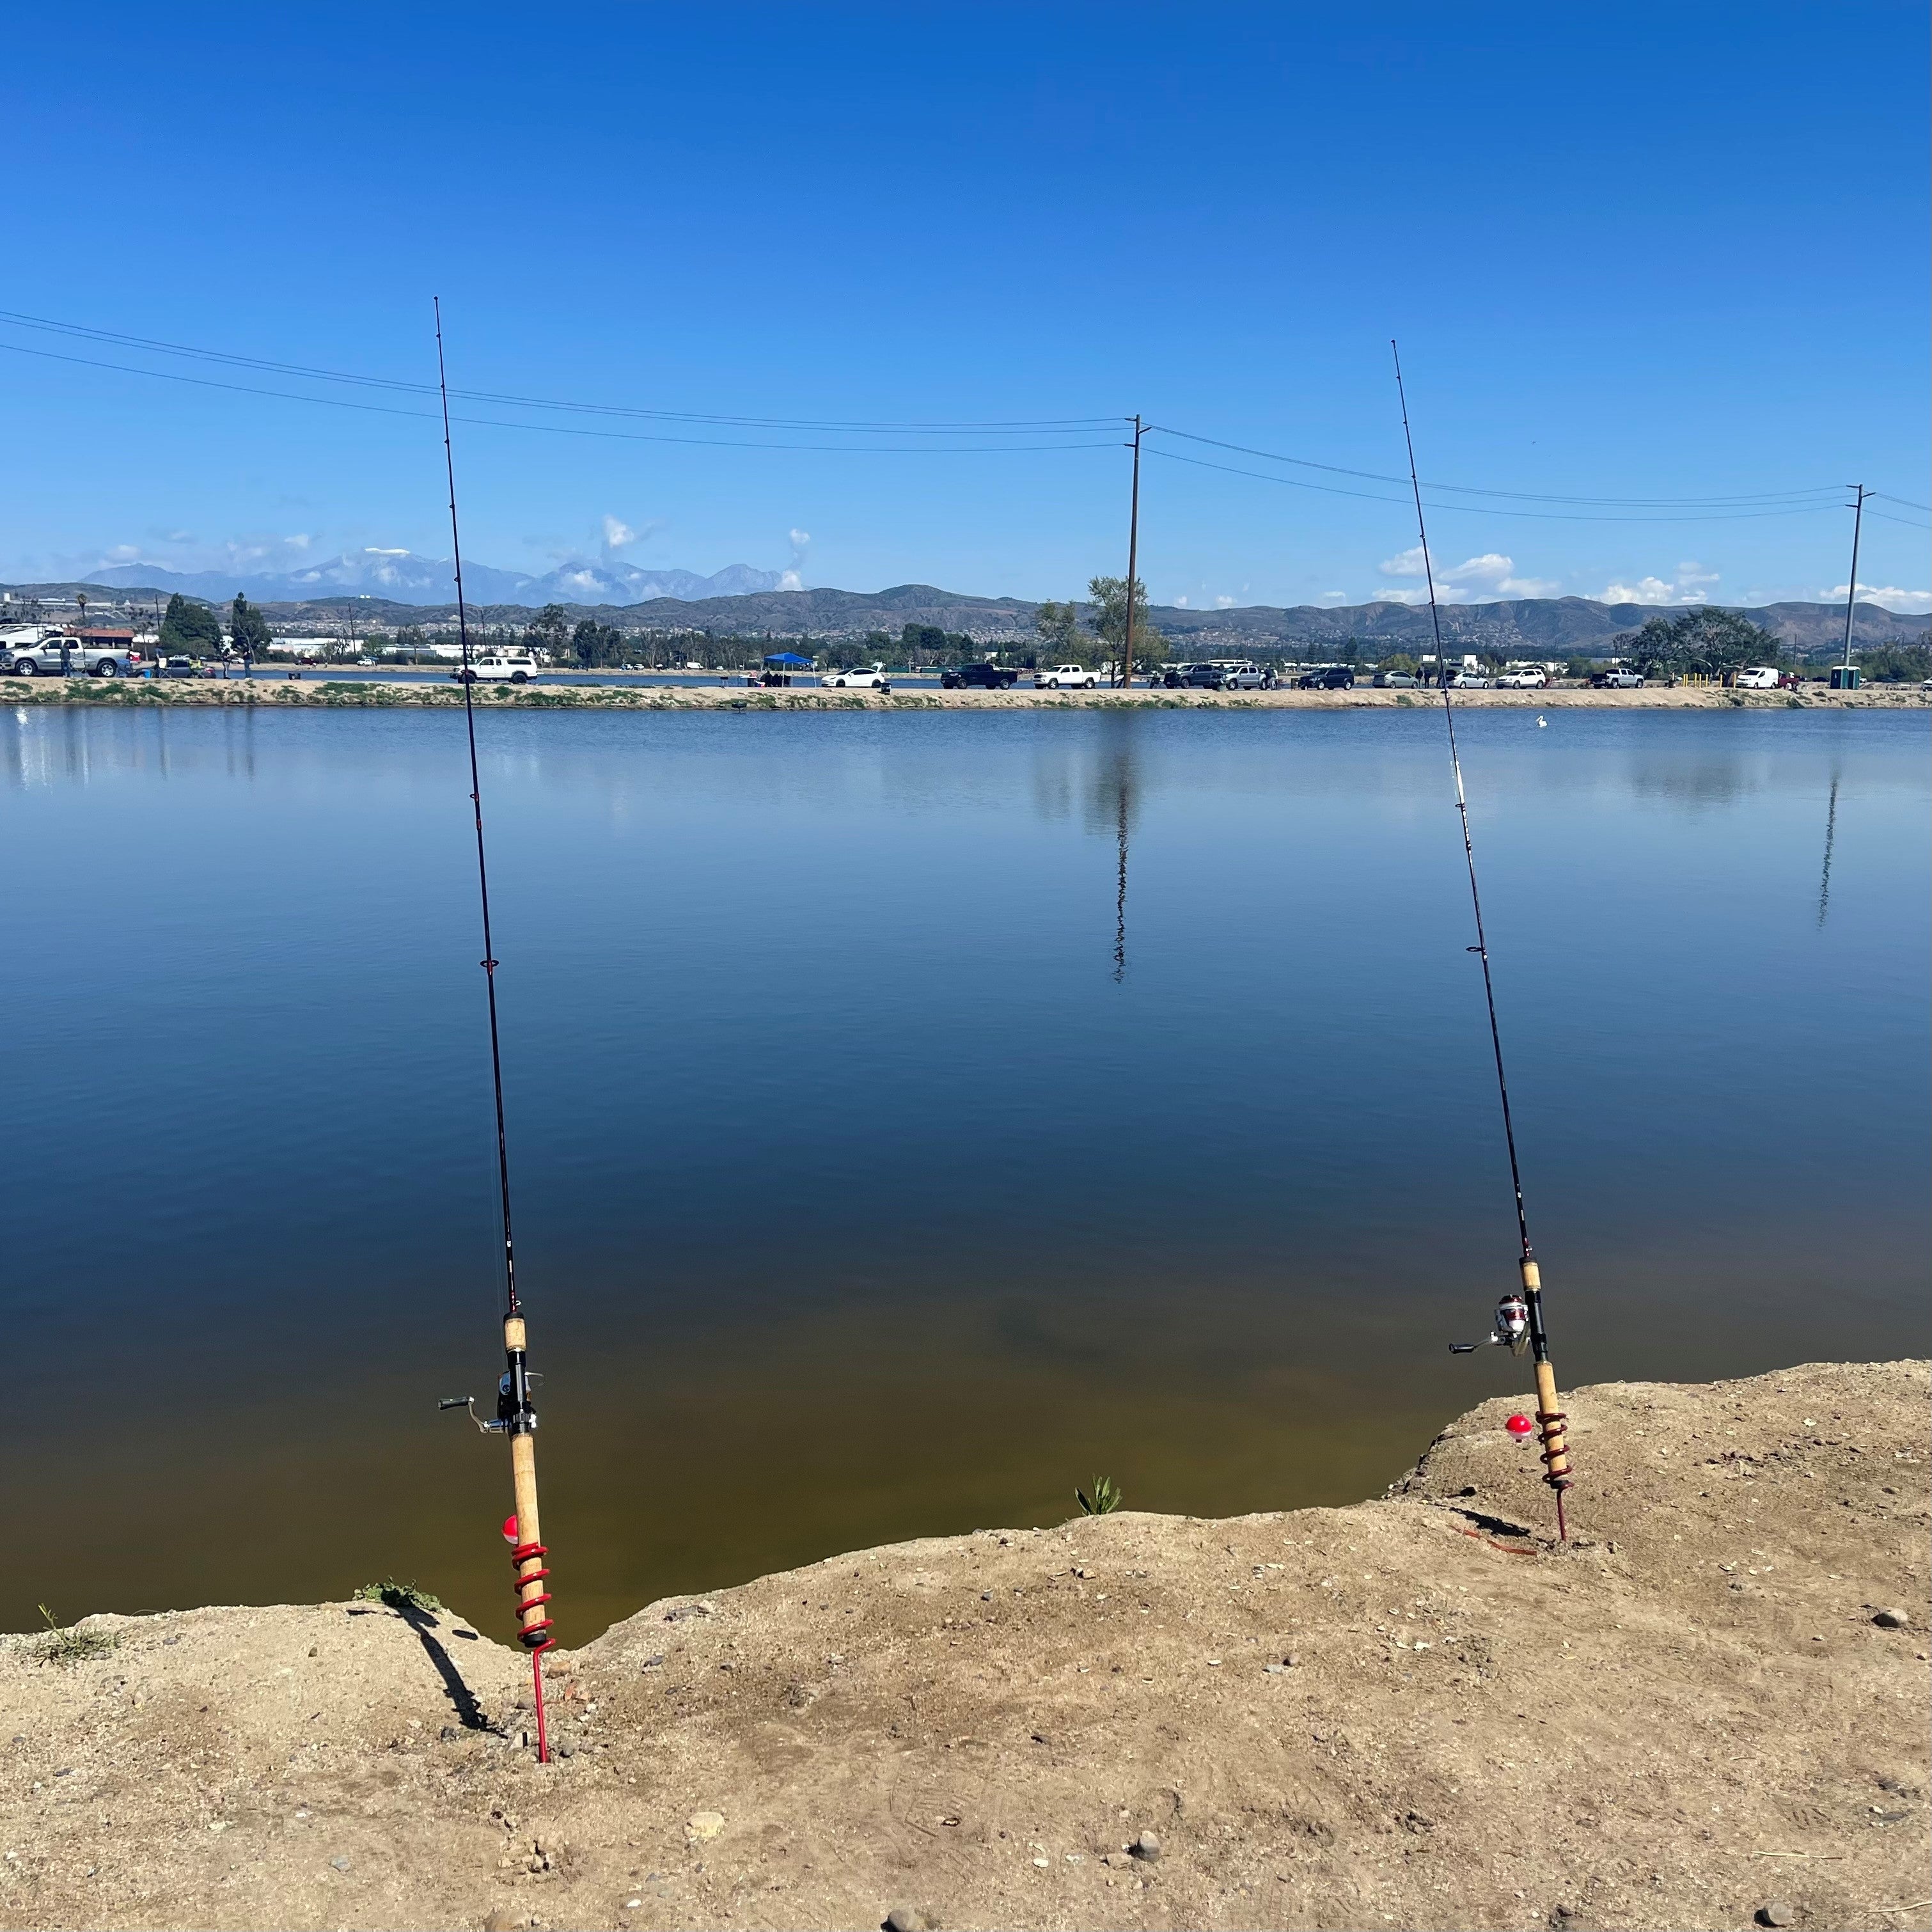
(978, 677)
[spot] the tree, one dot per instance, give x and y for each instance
(594, 644)
(1706, 642)
(927, 637)
(549, 631)
(247, 628)
(1059, 627)
(1110, 593)
(1901, 661)
(190, 629)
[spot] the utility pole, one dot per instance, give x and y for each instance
(1124, 674)
(1859, 494)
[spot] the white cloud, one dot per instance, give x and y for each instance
(1180, 603)
(1492, 575)
(1914, 603)
(617, 533)
(799, 538)
(1221, 603)
(1334, 593)
(1690, 585)
(375, 549)
(789, 579)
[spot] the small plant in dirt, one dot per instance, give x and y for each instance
(1105, 1499)
(398, 1596)
(71, 1645)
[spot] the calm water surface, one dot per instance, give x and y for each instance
(913, 1116)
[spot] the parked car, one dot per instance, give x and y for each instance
(863, 677)
(1328, 677)
(1470, 680)
(1247, 676)
(91, 660)
(1531, 680)
(1758, 677)
(178, 667)
(1394, 680)
(1616, 680)
(980, 677)
(1065, 677)
(497, 667)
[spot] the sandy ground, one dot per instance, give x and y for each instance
(315, 688)
(1408, 1713)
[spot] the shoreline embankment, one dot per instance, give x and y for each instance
(313, 690)
(1706, 1710)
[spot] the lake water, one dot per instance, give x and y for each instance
(912, 1116)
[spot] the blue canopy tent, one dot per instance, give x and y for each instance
(780, 665)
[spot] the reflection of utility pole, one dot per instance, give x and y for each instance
(1114, 786)
(1860, 493)
(1831, 832)
(1123, 675)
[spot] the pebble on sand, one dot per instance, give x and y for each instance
(1147, 1845)
(703, 1825)
(1777, 1913)
(1892, 1620)
(904, 1918)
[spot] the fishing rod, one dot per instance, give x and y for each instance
(1519, 1319)
(516, 1415)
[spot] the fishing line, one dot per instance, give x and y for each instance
(1550, 1419)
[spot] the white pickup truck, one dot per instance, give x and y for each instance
(498, 668)
(1065, 677)
(90, 657)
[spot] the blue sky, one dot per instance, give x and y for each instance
(1637, 252)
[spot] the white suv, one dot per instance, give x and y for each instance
(1531, 680)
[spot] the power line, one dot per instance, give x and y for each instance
(1491, 510)
(558, 429)
(1031, 426)
(1522, 495)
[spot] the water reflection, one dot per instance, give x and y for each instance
(819, 1125)
(1831, 832)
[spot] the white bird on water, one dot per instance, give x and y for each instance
(1542, 722)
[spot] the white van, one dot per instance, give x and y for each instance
(1758, 677)
(498, 668)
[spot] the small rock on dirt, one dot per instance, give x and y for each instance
(1892, 1620)
(904, 1918)
(703, 1825)
(500, 1920)
(1777, 1913)
(339, 1864)
(1147, 1845)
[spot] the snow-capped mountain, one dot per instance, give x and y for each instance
(407, 578)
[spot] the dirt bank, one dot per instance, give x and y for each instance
(317, 690)
(1407, 1713)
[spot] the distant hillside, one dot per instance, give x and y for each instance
(1529, 626)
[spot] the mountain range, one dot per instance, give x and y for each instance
(400, 577)
(1532, 627)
